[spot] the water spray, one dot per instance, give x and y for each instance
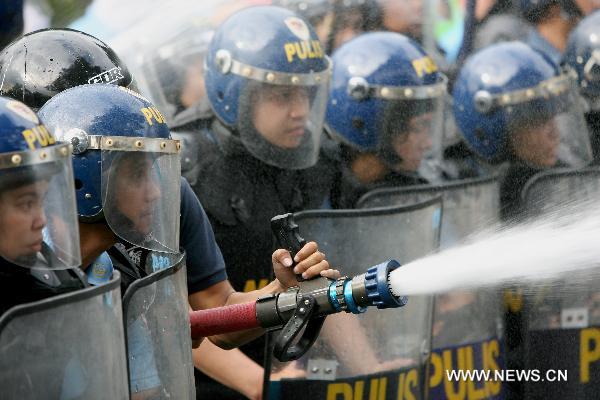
(303, 308)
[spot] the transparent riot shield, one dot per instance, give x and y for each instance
(69, 346)
(561, 317)
(382, 351)
(158, 331)
(467, 332)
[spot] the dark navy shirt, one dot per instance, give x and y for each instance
(205, 265)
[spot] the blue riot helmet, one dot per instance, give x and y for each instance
(583, 55)
(512, 103)
(38, 219)
(266, 77)
(43, 63)
(387, 97)
(126, 165)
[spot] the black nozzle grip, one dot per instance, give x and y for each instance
(288, 236)
(284, 349)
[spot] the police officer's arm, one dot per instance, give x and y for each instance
(232, 368)
(310, 263)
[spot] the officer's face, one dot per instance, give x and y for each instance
(193, 89)
(137, 191)
(412, 145)
(537, 145)
(280, 114)
(22, 219)
(403, 16)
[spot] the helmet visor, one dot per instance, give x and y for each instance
(548, 128)
(38, 214)
(141, 190)
(412, 131)
(282, 124)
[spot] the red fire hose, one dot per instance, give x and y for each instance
(215, 321)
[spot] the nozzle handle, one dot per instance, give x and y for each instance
(288, 236)
(303, 318)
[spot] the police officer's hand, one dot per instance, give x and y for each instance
(310, 262)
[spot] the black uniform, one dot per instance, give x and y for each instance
(241, 194)
(348, 190)
(19, 285)
(593, 122)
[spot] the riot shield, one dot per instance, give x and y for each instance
(382, 351)
(561, 326)
(69, 346)
(466, 323)
(158, 334)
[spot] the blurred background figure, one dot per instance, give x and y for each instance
(499, 21)
(386, 108)
(583, 55)
(553, 20)
(406, 17)
(520, 114)
(337, 21)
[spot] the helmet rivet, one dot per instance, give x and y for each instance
(385, 92)
(139, 144)
(109, 142)
(16, 159)
(295, 80)
(506, 98)
(529, 93)
(408, 92)
(317, 79)
(88, 196)
(43, 155)
(358, 88)
(163, 145)
(64, 151)
(178, 145)
(223, 60)
(247, 71)
(483, 101)
(270, 77)
(78, 139)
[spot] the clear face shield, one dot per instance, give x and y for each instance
(173, 76)
(282, 115)
(141, 190)
(412, 129)
(38, 212)
(547, 124)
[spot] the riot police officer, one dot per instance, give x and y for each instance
(266, 76)
(128, 194)
(514, 107)
(386, 108)
(552, 21)
(583, 55)
(39, 244)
